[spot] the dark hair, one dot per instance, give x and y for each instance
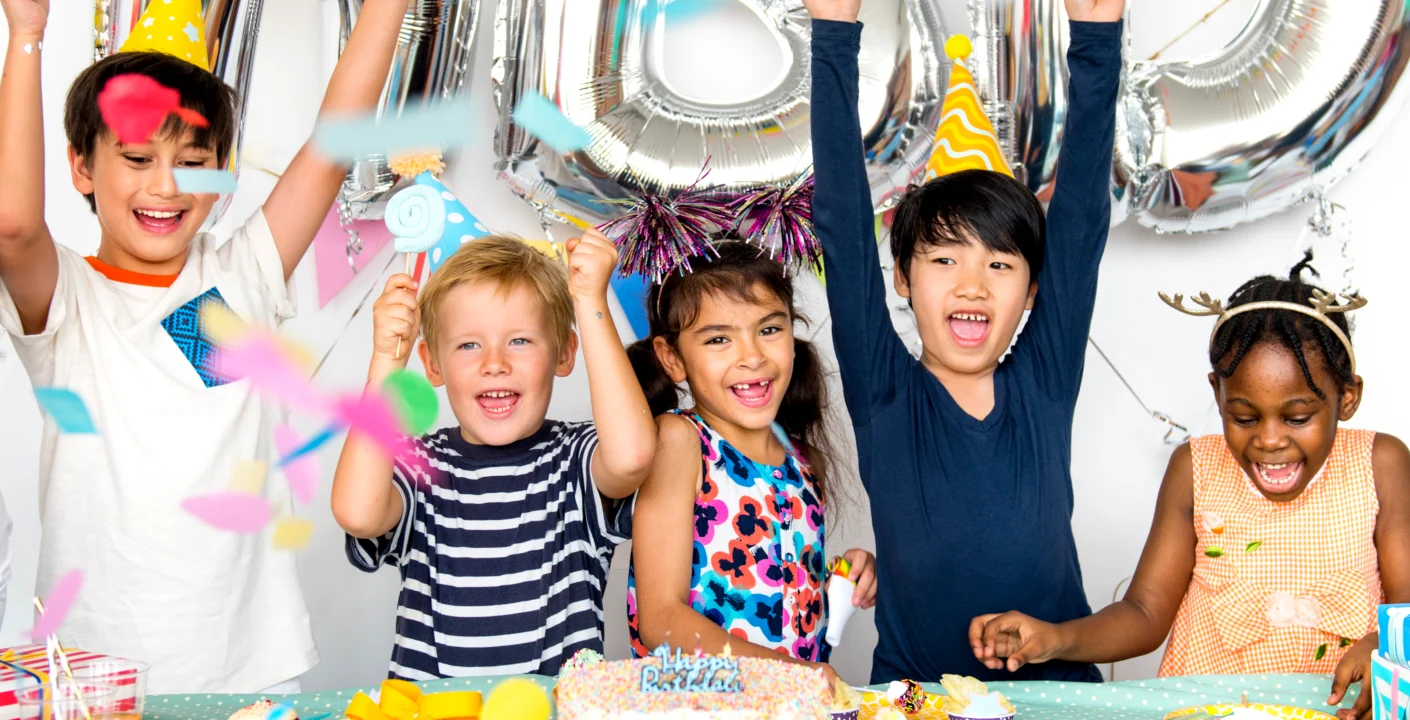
(740, 272)
(200, 91)
(1292, 330)
(982, 205)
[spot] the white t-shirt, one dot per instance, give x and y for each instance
(212, 611)
(5, 527)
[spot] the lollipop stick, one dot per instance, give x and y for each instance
(57, 650)
(408, 272)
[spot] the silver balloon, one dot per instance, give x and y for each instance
(432, 63)
(1019, 62)
(1296, 100)
(597, 60)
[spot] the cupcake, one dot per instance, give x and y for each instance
(968, 699)
(265, 710)
(906, 696)
(846, 701)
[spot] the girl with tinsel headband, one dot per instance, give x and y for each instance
(729, 527)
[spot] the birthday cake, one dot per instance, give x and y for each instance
(694, 687)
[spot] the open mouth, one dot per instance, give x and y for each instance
(498, 404)
(1275, 478)
(753, 394)
(969, 329)
(159, 222)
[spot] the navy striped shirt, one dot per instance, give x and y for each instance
(503, 554)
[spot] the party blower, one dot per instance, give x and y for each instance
(839, 599)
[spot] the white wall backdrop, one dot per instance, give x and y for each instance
(1118, 454)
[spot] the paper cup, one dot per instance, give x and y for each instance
(839, 607)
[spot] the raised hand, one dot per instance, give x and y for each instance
(1015, 636)
(26, 18)
(395, 321)
(1095, 10)
(591, 259)
(840, 10)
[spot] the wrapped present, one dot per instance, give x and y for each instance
(1393, 622)
(1390, 685)
(28, 663)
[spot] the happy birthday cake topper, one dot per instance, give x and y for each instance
(699, 673)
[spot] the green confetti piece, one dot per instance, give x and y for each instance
(1254, 546)
(1214, 552)
(1321, 652)
(415, 401)
(1345, 642)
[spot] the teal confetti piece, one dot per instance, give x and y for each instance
(545, 121)
(442, 126)
(680, 10)
(190, 180)
(67, 409)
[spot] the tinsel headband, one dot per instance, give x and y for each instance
(1321, 308)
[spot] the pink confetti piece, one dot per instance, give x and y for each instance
(234, 511)
(302, 472)
(56, 606)
(259, 358)
(135, 106)
(371, 414)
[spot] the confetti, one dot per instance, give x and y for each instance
(680, 10)
(371, 415)
(67, 409)
(296, 459)
(57, 604)
(292, 533)
(220, 182)
(135, 106)
(542, 119)
(271, 369)
(248, 477)
(233, 511)
(414, 399)
(443, 125)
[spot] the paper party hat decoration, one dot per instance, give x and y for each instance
(965, 139)
(461, 226)
(173, 27)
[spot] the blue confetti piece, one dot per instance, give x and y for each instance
(315, 442)
(190, 180)
(542, 119)
(442, 126)
(680, 10)
(67, 409)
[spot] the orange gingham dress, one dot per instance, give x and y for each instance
(1278, 586)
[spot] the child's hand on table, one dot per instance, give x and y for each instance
(1355, 665)
(863, 573)
(1015, 636)
(839, 10)
(396, 321)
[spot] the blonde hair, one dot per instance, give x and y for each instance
(508, 263)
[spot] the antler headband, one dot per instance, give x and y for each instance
(1322, 306)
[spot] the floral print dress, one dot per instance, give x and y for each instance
(758, 565)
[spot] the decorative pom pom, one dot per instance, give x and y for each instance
(659, 236)
(780, 222)
(413, 164)
(958, 47)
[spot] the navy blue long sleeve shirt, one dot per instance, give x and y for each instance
(971, 516)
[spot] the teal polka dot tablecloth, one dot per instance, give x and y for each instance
(1128, 700)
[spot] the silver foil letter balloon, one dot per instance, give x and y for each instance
(599, 62)
(432, 63)
(1296, 100)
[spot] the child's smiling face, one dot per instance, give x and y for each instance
(147, 222)
(1277, 428)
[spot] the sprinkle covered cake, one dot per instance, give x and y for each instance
(690, 687)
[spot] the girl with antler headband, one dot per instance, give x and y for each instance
(1273, 544)
(729, 529)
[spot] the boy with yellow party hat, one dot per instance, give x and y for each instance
(966, 460)
(211, 611)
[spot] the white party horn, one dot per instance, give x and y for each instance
(839, 607)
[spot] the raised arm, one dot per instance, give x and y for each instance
(662, 542)
(300, 200)
(1133, 627)
(626, 433)
(1055, 339)
(29, 264)
(870, 356)
(365, 503)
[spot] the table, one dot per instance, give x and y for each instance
(1127, 700)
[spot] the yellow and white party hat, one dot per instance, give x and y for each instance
(173, 27)
(965, 139)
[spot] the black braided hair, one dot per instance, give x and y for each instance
(1292, 330)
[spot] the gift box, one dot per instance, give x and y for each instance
(28, 664)
(1393, 621)
(1390, 683)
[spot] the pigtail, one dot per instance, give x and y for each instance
(662, 394)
